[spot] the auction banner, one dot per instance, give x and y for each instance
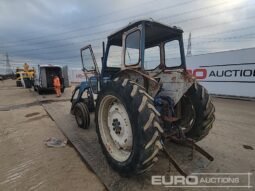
(76, 75)
(230, 73)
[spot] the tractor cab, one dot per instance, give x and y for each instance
(145, 45)
(145, 52)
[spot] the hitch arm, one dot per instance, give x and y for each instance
(174, 163)
(188, 143)
(191, 144)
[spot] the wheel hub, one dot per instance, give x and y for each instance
(119, 126)
(115, 128)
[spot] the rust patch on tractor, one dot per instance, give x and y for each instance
(167, 72)
(188, 77)
(173, 79)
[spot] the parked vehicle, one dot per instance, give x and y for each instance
(26, 76)
(44, 78)
(139, 104)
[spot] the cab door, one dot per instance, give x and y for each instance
(88, 60)
(90, 68)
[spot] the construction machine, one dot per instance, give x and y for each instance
(25, 75)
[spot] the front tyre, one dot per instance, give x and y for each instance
(81, 114)
(128, 127)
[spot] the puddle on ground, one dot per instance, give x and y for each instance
(248, 147)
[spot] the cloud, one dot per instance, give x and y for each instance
(47, 31)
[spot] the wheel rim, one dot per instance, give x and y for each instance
(188, 114)
(115, 128)
(78, 116)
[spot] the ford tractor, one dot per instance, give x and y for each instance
(142, 96)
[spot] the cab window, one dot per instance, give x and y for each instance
(172, 54)
(132, 48)
(114, 56)
(151, 58)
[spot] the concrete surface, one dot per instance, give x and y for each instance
(225, 142)
(231, 142)
(25, 162)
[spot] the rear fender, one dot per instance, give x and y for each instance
(175, 83)
(82, 87)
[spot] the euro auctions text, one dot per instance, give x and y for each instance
(223, 180)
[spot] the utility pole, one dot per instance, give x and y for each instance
(189, 46)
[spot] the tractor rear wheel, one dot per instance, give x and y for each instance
(197, 112)
(128, 127)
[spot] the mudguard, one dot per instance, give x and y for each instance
(81, 87)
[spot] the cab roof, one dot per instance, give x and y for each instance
(155, 33)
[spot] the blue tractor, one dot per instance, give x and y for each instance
(142, 96)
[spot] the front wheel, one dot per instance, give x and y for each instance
(81, 114)
(128, 127)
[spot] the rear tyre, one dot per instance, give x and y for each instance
(199, 113)
(128, 127)
(81, 114)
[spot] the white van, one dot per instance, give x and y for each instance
(44, 78)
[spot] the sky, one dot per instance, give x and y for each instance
(52, 32)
